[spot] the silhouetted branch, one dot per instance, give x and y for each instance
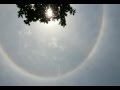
(37, 12)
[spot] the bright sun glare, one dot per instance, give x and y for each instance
(49, 13)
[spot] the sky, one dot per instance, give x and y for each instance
(85, 52)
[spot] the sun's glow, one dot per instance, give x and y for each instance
(49, 13)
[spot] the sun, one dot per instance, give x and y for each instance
(49, 13)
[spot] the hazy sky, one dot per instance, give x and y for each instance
(85, 52)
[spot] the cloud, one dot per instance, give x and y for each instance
(56, 44)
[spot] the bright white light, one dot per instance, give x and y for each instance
(49, 13)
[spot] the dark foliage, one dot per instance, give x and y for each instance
(35, 12)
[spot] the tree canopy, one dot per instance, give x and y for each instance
(37, 12)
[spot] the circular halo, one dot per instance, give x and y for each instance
(62, 76)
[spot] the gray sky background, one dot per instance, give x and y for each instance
(87, 48)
